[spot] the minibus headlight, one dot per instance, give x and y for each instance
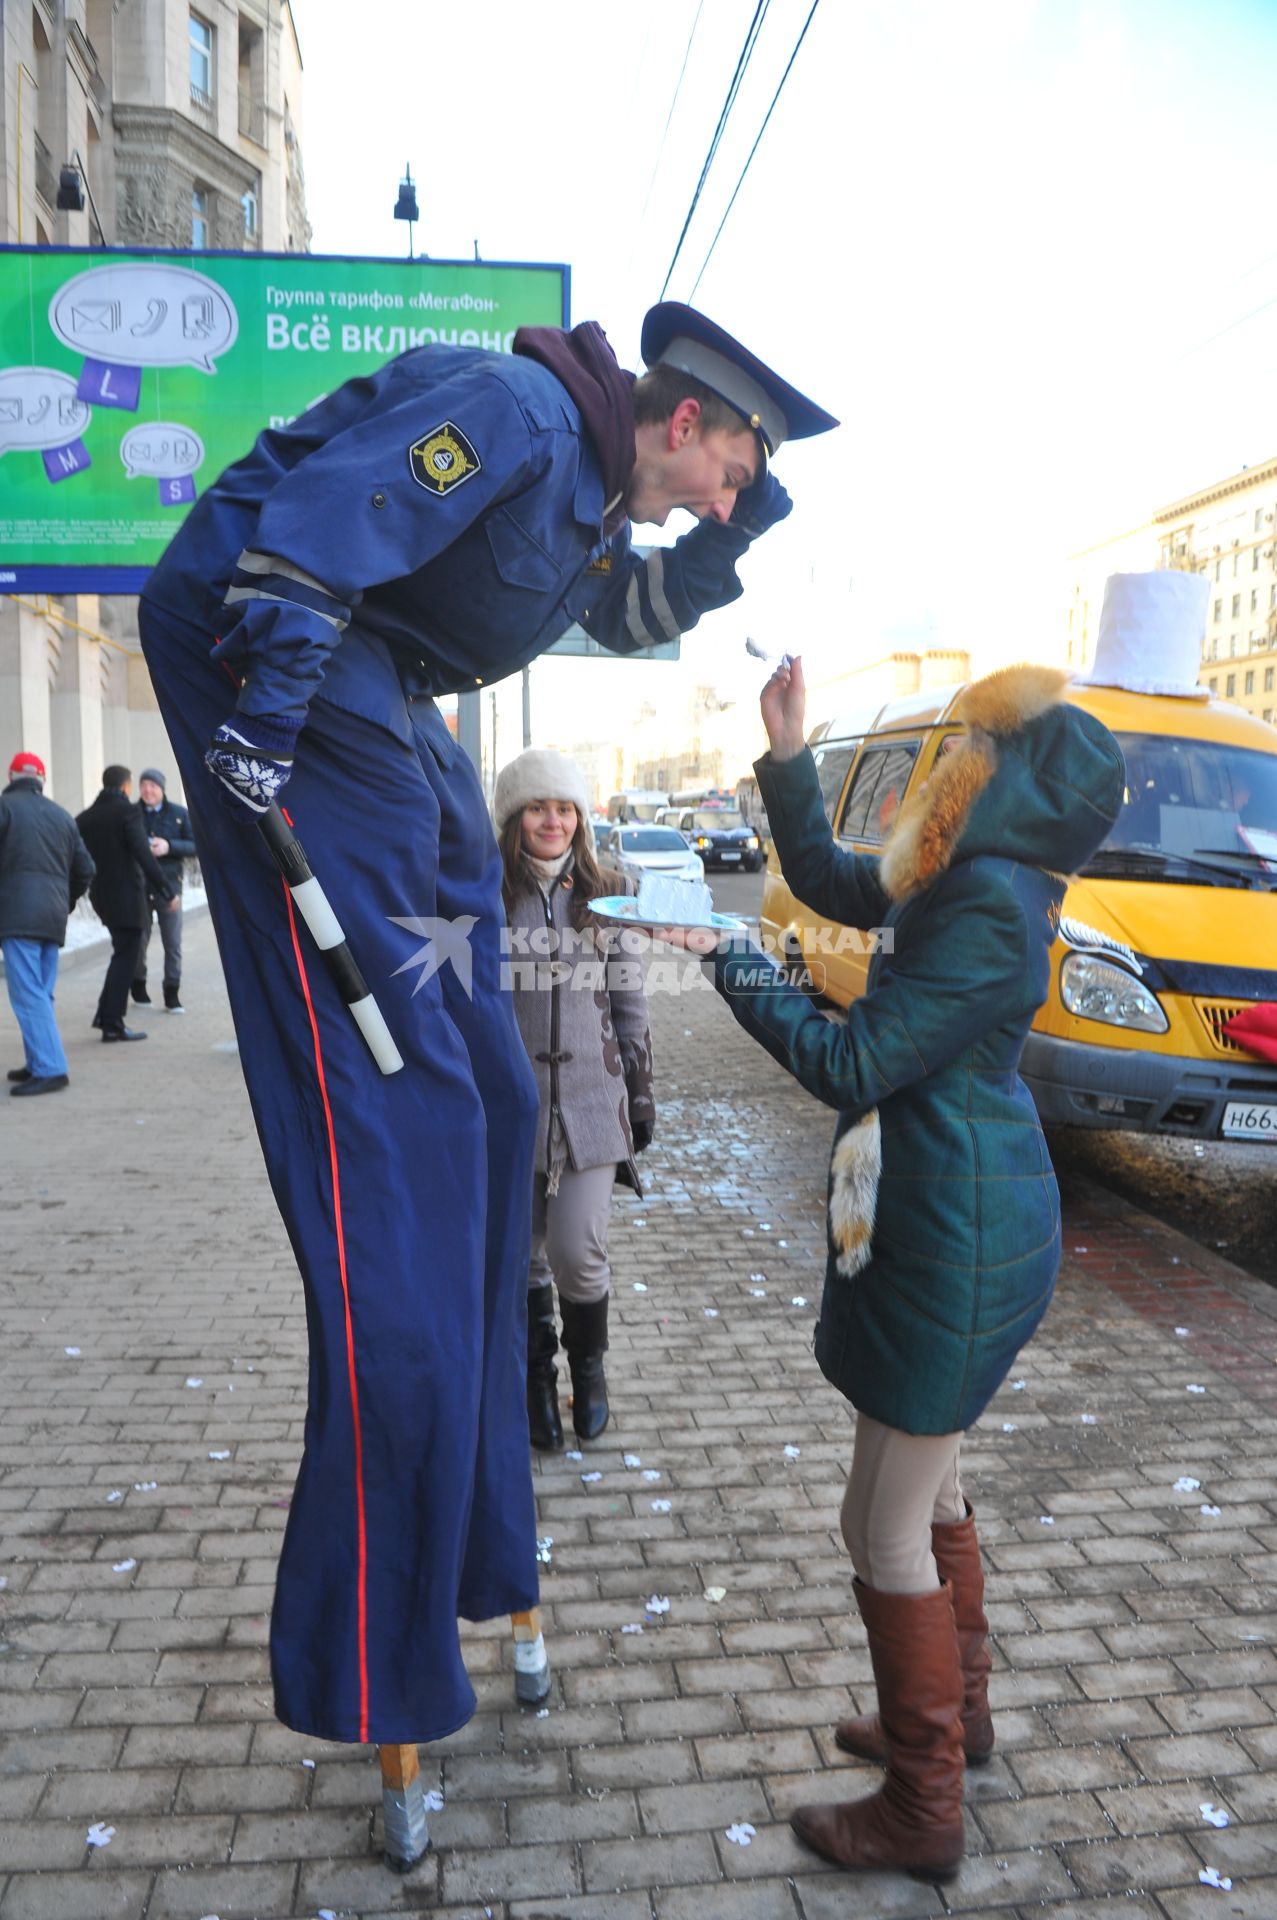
(1095, 989)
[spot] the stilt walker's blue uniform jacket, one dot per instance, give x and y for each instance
(429, 529)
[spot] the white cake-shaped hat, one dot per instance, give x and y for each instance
(1152, 626)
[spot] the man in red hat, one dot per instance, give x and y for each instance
(44, 868)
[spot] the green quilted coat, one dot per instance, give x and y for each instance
(934, 1284)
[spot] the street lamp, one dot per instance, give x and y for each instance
(406, 204)
(73, 184)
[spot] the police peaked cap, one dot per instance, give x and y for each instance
(678, 336)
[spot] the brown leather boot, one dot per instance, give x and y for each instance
(957, 1552)
(914, 1821)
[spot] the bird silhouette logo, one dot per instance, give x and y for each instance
(445, 940)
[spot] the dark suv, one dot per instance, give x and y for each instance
(719, 834)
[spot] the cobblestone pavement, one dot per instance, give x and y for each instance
(152, 1378)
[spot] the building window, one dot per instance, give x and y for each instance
(1237, 606)
(1249, 686)
(1237, 564)
(1213, 683)
(201, 62)
(1254, 559)
(1219, 609)
(1218, 565)
(1268, 715)
(249, 203)
(1268, 679)
(199, 217)
(1232, 646)
(1230, 685)
(1259, 519)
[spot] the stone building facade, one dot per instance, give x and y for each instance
(184, 124)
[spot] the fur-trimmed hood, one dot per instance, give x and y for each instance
(1036, 779)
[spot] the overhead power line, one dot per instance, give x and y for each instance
(754, 149)
(678, 84)
(746, 52)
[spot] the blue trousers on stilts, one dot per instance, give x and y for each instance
(406, 1197)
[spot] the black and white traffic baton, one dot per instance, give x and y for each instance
(313, 904)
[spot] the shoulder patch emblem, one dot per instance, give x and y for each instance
(602, 564)
(442, 459)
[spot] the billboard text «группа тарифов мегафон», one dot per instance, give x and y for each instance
(129, 379)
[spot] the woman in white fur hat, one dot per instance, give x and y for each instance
(582, 1012)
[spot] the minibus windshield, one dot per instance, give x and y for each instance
(1193, 809)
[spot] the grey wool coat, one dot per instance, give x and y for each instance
(582, 1012)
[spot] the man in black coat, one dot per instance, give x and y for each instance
(172, 841)
(44, 868)
(115, 834)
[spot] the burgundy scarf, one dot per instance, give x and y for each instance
(586, 365)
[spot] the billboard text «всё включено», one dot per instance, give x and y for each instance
(126, 379)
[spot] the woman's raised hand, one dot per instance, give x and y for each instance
(784, 703)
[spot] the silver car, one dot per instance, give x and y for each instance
(639, 850)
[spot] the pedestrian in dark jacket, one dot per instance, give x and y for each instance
(172, 841)
(115, 836)
(944, 1220)
(582, 1012)
(44, 868)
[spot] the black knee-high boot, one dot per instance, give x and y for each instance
(585, 1340)
(544, 1423)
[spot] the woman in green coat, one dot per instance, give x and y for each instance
(944, 1217)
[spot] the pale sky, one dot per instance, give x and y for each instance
(997, 238)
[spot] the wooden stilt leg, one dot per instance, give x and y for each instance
(403, 1807)
(531, 1664)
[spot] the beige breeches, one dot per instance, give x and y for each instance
(901, 1485)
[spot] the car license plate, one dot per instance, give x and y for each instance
(731, 856)
(1250, 1120)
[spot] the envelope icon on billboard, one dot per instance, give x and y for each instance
(96, 316)
(10, 409)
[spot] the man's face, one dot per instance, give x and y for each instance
(152, 793)
(681, 465)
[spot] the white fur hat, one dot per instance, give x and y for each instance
(538, 774)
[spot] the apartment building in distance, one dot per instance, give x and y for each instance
(1227, 532)
(183, 124)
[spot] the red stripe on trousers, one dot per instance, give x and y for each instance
(350, 1332)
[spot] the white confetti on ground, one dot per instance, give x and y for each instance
(759, 1293)
(711, 1313)
(434, 1799)
(1209, 1877)
(1087, 1419)
(798, 1301)
(631, 1460)
(651, 1473)
(99, 1834)
(4, 1581)
(72, 1353)
(658, 1604)
(1194, 1389)
(1212, 1513)
(310, 1764)
(114, 1496)
(1008, 1426)
(715, 1594)
(1018, 1386)
(220, 1453)
(765, 1225)
(640, 1223)
(640, 1286)
(193, 1382)
(758, 1279)
(662, 1506)
(543, 1713)
(1187, 1484)
(1046, 1519)
(1213, 1816)
(632, 1626)
(590, 1478)
(792, 1453)
(145, 1486)
(123, 1566)
(574, 1453)
(1181, 1333)
(740, 1834)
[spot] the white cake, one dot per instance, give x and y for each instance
(665, 902)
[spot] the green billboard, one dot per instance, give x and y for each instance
(129, 380)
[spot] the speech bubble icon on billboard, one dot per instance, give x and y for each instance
(145, 313)
(39, 409)
(161, 448)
